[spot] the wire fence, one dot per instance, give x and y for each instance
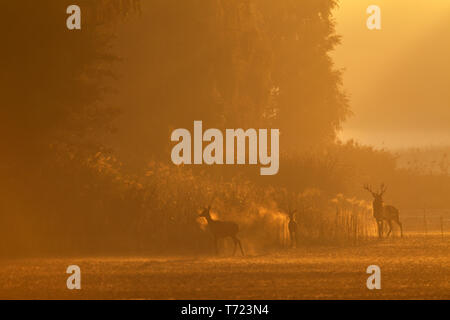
(427, 221)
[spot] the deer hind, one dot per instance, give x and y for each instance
(222, 229)
(383, 212)
(292, 226)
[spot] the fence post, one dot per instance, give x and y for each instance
(425, 221)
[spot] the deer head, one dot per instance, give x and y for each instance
(378, 196)
(205, 212)
(291, 214)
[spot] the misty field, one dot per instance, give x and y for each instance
(415, 267)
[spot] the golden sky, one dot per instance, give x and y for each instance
(398, 78)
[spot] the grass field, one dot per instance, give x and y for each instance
(415, 267)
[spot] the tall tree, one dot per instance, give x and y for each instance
(53, 78)
(52, 81)
(242, 63)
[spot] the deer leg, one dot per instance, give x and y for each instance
(380, 229)
(216, 245)
(291, 234)
(235, 245)
(237, 241)
(401, 227)
(294, 239)
(390, 228)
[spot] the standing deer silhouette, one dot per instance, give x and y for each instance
(221, 230)
(383, 212)
(292, 226)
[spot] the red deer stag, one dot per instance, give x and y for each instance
(292, 226)
(383, 212)
(222, 229)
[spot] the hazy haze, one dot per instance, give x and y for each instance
(398, 78)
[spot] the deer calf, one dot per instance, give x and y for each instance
(383, 212)
(222, 229)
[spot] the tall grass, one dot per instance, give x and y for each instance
(169, 198)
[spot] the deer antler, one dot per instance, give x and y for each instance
(383, 189)
(213, 197)
(369, 188)
(291, 212)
